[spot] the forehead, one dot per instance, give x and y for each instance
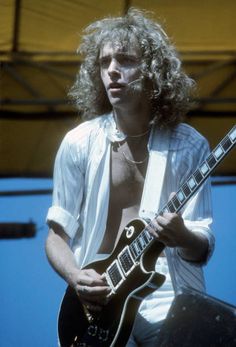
(110, 48)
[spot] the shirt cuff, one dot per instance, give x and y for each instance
(62, 217)
(206, 231)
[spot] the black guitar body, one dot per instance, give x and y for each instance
(113, 325)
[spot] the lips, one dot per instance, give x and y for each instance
(115, 85)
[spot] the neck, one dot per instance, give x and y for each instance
(132, 122)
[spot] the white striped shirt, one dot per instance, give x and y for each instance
(81, 191)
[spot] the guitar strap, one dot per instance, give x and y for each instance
(158, 153)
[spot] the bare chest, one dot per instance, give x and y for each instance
(127, 179)
(126, 186)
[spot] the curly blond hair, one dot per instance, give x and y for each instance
(161, 67)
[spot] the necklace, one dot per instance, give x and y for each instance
(131, 160)
(140, 135)
(122, 135)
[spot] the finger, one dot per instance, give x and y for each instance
(155, 232)
(104, 278)
(93, 291)
(168, 219)
(172, 194)
(91, 278)
(94, 274)
(162, 220)
(152, 229)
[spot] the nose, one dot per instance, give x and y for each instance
(113, 68)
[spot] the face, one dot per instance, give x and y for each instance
(120, 74)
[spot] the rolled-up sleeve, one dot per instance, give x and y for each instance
(68, 183)
(198, 211)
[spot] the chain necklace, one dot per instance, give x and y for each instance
(129, 160)
(140, 135)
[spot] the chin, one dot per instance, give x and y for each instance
(116, 101)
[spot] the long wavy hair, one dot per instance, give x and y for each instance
(169, 87)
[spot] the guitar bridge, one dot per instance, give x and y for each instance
(88, 315)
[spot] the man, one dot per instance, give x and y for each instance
(133, 93)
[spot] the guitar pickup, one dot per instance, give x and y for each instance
(126, 261)
(114, 275)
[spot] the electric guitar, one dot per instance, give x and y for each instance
(129, 272)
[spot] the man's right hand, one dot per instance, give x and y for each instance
(91, 288)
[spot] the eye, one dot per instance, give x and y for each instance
(104, 61)
(127, 60)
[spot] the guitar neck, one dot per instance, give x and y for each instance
(186, 191)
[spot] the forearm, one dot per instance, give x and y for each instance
(194, 248)
(90, 286)
(60, 256)
(172, 231)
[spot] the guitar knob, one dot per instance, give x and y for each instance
(92, 330)
(129, 231)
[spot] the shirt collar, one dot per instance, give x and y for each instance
(111, 131)
(116, 135)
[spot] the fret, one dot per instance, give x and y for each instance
(211, 160)
(139, 243)
(164, 209)
(218, 152)
(145, 236)
(232, 135)
(204, 168)
(132, 251)
(142, 241)
(148, 235)
(226, 143)
(171, 206)
(198, 176)
(176, 202)
(151, 225)
(191, 183)
(186, 190)
(136, 248)
(180, 195)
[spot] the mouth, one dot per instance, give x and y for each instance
(115, 86)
